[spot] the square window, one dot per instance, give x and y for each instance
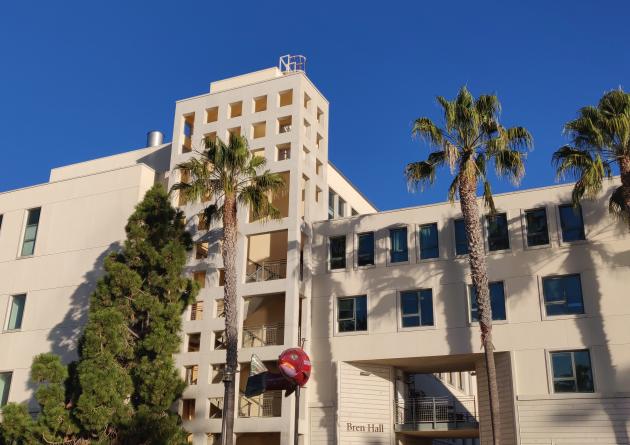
(416, 308)
(188, 409)
(352, 314)
(194, 342)
(212, 114)
(365, 250)
(461, 239)
(572, 371)
(201, 250)
(428, 240)
(260, 152)
(236, 109)
(318, 194)
(30, 231)
(497, 301)
(5, 387)
(320, 115)
(234, 132)
(337, 252)
(307, 101)
(219, 310)
(200, 278)
(318, 167)
(283, 152)
(191, 374)
(285, 98)
(284, 124)
(219, 340)
(259, 130)
(571, 223)
(536, 226)
(318, 141)
(16, 312)
(196, 311)
(216, 373)
(398, 251)
(216, 407)
(307, 130)
(563, 295)
(498, 235)
(210, 138)
(260, 104)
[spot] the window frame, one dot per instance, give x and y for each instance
(469, 295)
(5, 398)
(337, 331)
(543, 307)
(487, 233)
(559, 226)
(419, 247)
(9, 311)
(524, 228)
(329, 253)
(389, 245)
(358, 238)
(550, 372)
(399, 310)
(454, 232)
(25, 226)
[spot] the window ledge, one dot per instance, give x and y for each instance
(573, 243)
(563, 317)
(576, 395)
(417, 328)
(350, 333)
(498, 252)
(494, 322)
(369, 266)
(538, 247)
(398, 263)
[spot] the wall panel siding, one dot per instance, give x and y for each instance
(365, 404)
(571, 420)
(322, 425)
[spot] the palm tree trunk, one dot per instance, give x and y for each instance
(479, 274)
(231, 317)
(624, 169)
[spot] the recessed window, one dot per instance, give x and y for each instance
(307, 129)
(398, 251)
(461, 239)
(416, 308)
(365, 250)
(337, 252)
(196, 311)
(260, 152)
(216, 407)
(201, 250)
(354, 212)
(259, 130)
(318, 167)
(428, 239)
(194, 341)
(202, 222)
(307, 101)
(571, 222)
(498, 236)
(216, 373)
(210, 138)
(342, 207)
(306, 152)
(5, 387)
(219, 340)
(536, 226)
(283, 152)
(284, 124)
(572, 371)
(200, 278)
(320, 115)
(16, 312)
(189, 129)
(260, 104)
(219, 308)
(221, 277)
(191, 374)
(212, 114)
(30, 232)
(234, 132)
(497, 301)
(331, 203)
(285, 98)
(318, 194)
(188, 409)
(352, 314)
(236, 109)
(563, 295)
(318, 141)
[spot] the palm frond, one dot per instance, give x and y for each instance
(488, 199)
(453, 188)
(420, 174)
(424, 128)
(617, 205)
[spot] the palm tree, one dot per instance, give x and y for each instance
(228, 176)
(469, 140)
(600, 138)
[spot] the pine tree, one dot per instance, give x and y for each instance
(125, 381)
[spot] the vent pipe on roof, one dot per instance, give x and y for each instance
(154, 138)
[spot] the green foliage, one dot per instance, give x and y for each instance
(122, 387)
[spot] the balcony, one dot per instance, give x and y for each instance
(266, 256)
(265, 271)
(263, 335)
(419, 414)
(268, 404)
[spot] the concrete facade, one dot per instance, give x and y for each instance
(292, 291)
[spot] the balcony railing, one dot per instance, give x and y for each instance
(265, 335)
(265, 271)
(435, 412)
(268, 404)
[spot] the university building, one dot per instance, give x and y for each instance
(381, 301)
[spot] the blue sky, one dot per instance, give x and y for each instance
(81, 79)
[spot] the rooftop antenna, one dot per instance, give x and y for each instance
(292, 63)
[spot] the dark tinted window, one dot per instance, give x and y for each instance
(572, 371)
(563, 295)
(398, 243)
(497, 301)
(352, 314)
(498, 237)
(461, 239)
(429, 247)
(537, 230)
(416, 308)
(571, 223)
(365, 251)
(338, 252)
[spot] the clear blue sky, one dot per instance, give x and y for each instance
(83, 79)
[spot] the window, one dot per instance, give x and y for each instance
(285, 98)
(189, 129)
(398, 245)
(260, 104)
(5, 386)
(219, 309)
(416, 308)
(188, 409)
(236, 109)
(320, 115)
(216, 373)
(571, 223)
(259, 130)
(563, 295)
(30, 232)
(219, 340)
(498, 236)
(191, 374)
(428, 238)
(283, 152)
(216, 407)
(307, 101)
(365, 250)
(307, 131)
(194, 341)
(536, 225)
(318, 141)
(202, 222)
(284, 124)
(354, 212)
(201, 250)
(318, 167)
(497, 301)
(572, 371)
(352, 314)
(221, 277)
(338, 252)
(212, 114)
(342, 207)
(331, 204)
(17, 311)
(461, 239)
(200, 278)
(196, 311)
(233, 132)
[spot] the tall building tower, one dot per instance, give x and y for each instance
(285, 119)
